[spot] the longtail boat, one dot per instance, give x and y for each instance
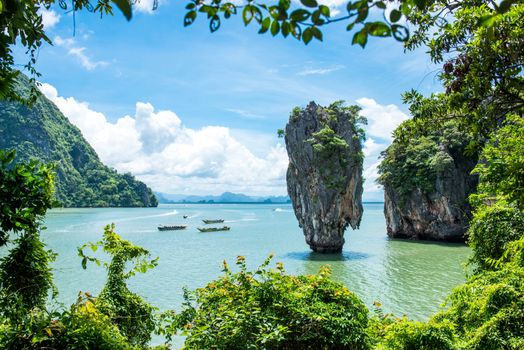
(213, 229)
(215, 221)
(171, 227)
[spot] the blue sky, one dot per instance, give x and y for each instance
(192, 112)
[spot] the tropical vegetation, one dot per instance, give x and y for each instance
(42, 132)
(482, 105)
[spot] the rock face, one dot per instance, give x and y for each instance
(324, 177)
(442, 214)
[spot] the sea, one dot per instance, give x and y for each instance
(407, 277)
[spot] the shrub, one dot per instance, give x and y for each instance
(132, 315)
(268, 309)
(488, 310)
(491, 229)
(410, 335)
(84, 326)
(502, 171)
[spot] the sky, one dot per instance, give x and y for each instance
(193, 112)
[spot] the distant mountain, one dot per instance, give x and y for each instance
(226, 197)
(42, 132)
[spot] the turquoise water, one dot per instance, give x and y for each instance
(406, 277)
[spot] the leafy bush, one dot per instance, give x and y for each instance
(491, 229)
(502, 171)
(26, 192)
(85, 326)
(25, 277)
(268, 309)
(132, 315)
(488, 310)
(410, 335)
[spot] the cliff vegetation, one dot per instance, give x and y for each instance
(42, 132)
(324, 175)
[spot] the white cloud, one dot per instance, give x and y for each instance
(371, 188)
(371, 148)
(145, 6)
(49, 18)
(382, 119)
(157, 148)
(335, 6)
(320, 71)
(79, 53)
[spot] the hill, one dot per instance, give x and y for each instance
(226, 197)
(42, 132)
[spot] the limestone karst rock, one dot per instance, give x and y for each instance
(324, 177)
(441, 214)
(427, 180)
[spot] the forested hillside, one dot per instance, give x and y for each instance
(42, 132)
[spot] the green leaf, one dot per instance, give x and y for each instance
(362, 14)
(379, 29)
(299, 15)
(275, 28)
(307, 36)
(247, 15)
(316, 33)
(395, 15)
(399, 32)
(1, 6)
(214, 24)
(487, 20)
(125, 7)
(360, 38)
(265, 25)
(309, 3)
(381, 5)
(286, 28)
(325, 10)
(189, 18)
(315, 18)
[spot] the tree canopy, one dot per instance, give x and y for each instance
(414, 22)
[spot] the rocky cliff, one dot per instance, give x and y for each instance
(42, 132)
(324, 177)
(426, 185)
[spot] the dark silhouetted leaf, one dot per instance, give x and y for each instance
(125, 7)
(309, 3)
(189, 18)
(395, 15)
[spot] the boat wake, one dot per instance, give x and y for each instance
(171, 213)
(244, 219)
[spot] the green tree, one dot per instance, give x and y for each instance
(126, 310)
(501, 168)
(269, 309)
(482, 70)
(20, 21)
(25, 274)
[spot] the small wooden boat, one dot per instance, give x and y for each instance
(171, 227)
(216, 221)
(213, 229)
